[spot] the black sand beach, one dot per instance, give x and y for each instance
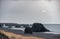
(36, 34)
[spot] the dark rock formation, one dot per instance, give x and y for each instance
(28, 30)
(38, 27)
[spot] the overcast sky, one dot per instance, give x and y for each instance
(28, 11)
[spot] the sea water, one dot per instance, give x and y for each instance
(54, 28)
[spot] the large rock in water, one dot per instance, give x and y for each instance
(38, 27)
(28, 30)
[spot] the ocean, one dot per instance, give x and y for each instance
(54, 28)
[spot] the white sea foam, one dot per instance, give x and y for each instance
(53, 32)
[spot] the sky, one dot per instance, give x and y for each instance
(30, 11)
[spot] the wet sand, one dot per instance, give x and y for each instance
(20, 35)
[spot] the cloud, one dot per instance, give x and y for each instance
(30, 11)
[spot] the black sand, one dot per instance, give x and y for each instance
(37, 34)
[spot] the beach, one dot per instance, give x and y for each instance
(21, 35)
